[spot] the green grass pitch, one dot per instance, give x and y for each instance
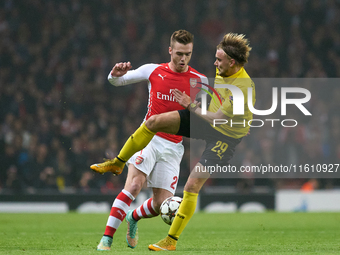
(234, 233)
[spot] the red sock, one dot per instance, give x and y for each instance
(146, 210)
(119, 209)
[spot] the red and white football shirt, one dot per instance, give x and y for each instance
(162, 80)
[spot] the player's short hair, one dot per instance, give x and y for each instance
(182, 36)
(235, 46)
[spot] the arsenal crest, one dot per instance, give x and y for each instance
(193, 82)
(139, 160)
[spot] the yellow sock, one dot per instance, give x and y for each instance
(136, 142)
(185, 211)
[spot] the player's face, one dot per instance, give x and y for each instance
(180, 56)
(223, 63)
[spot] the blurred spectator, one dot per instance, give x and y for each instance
(78, 160)
(47, 180)
(112, 185)
(14, 182)
(63, 169)
(87, 182)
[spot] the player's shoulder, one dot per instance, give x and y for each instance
(150, 66)
(195, 72)
(247, 77)
(161, 67)
(164, 65)
(244, 81)
(244, 74)
(148, 69)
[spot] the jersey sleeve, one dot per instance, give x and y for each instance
(140, 74)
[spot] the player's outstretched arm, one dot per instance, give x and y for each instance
(120, 69)
(121, 74)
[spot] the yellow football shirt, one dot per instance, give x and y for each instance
(241, 80)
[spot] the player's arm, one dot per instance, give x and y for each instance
(185, 101)
(121, 74)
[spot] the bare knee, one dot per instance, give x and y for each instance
(152, 123)
(196, 180)
(191, 188)
(134, 180)
(167, 122)
(194, 185)
(135, 187)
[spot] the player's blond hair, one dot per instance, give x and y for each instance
(182, 36)
(235, 46)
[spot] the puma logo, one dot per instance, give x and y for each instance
(161, 76)
(121, 214)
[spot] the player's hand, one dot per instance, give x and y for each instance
(120, 69)
(182, 98)
(198, 103)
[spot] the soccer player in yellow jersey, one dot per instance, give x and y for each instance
(231, 55)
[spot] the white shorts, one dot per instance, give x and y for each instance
(160, 161)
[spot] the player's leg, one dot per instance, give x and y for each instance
(188, 206)
(197, 178)
(185, 211)
(162, 179)
(133, 185)
(168, 122)
(149, 209)
(144, 162)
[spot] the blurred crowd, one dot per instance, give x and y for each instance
(59, 114)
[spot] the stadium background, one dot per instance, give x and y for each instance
(59, 114)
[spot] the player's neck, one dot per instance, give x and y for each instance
(173, 68)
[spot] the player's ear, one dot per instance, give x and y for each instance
(170, 50)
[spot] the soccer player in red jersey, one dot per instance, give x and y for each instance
(159, 161)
